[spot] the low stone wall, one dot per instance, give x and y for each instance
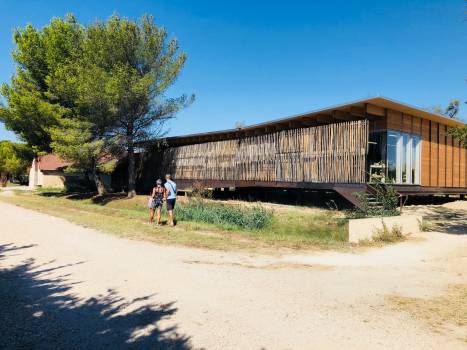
(360, 229)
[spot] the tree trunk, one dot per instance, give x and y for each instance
(3, 179)
(101, 190)
(131, 171)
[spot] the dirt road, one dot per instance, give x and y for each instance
(67, 287)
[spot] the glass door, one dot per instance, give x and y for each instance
(403, 158)
(392, 156)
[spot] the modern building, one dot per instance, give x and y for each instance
(341, 148)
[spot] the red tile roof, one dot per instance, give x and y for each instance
(52, 162)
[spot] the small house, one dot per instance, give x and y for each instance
(48, 171)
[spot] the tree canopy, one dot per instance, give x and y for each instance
(14, 160)
(31, 110)
(459, 133)
(104, 84)
(135, 63)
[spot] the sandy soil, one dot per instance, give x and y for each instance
(450, 217)
(65, 286)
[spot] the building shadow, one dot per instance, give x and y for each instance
(440, 218)
(448, 220)
(41, 312)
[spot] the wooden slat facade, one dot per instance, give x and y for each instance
(333, 153)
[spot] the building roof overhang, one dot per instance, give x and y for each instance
(357, 109)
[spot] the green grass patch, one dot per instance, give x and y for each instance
(300, 227)
(200, 223)
(225, 216)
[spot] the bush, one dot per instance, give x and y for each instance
(388, 235)
(385, 195)
(425, 225)
(252, 218)
(200, 192)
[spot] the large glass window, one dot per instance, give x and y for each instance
(400, 162)
(393, 170)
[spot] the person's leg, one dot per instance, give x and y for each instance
(170, 212)
(159, 215)
(173, 214)
(151, 216)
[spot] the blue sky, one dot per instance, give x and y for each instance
(252, 61)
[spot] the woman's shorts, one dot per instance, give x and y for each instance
(153, 204)
(170, 204)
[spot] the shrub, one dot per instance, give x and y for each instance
(250, 218)
(388, 235)
(388, 197)
(425, 226)
(200, 192)
(385, 195)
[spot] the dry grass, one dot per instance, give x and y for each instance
(449, 309)
(273, 266)
(302, 228)
(389, 235)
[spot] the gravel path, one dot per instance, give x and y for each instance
(67, 287)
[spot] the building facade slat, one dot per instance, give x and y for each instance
(334, 153)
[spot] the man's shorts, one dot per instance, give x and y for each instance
(170, 204)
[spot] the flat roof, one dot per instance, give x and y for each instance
(378, 101)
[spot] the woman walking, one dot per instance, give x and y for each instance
(156, 199)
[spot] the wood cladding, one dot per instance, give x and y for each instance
(456, 161)
(334, 153)
(442, 156)
(375, 110)
(463, 168)
(443, 159)
(449, 154)
(426, 153)
(434, 156)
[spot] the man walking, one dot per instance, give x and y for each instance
(170, 197)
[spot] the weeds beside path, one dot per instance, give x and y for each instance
(236, 227)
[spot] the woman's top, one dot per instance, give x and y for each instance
(158, 196)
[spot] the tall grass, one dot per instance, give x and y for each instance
(390, 235)
(256, 226)
(298, 226)
(226, 216)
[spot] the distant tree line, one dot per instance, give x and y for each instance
(14, 160)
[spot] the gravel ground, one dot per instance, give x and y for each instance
(67, 287)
